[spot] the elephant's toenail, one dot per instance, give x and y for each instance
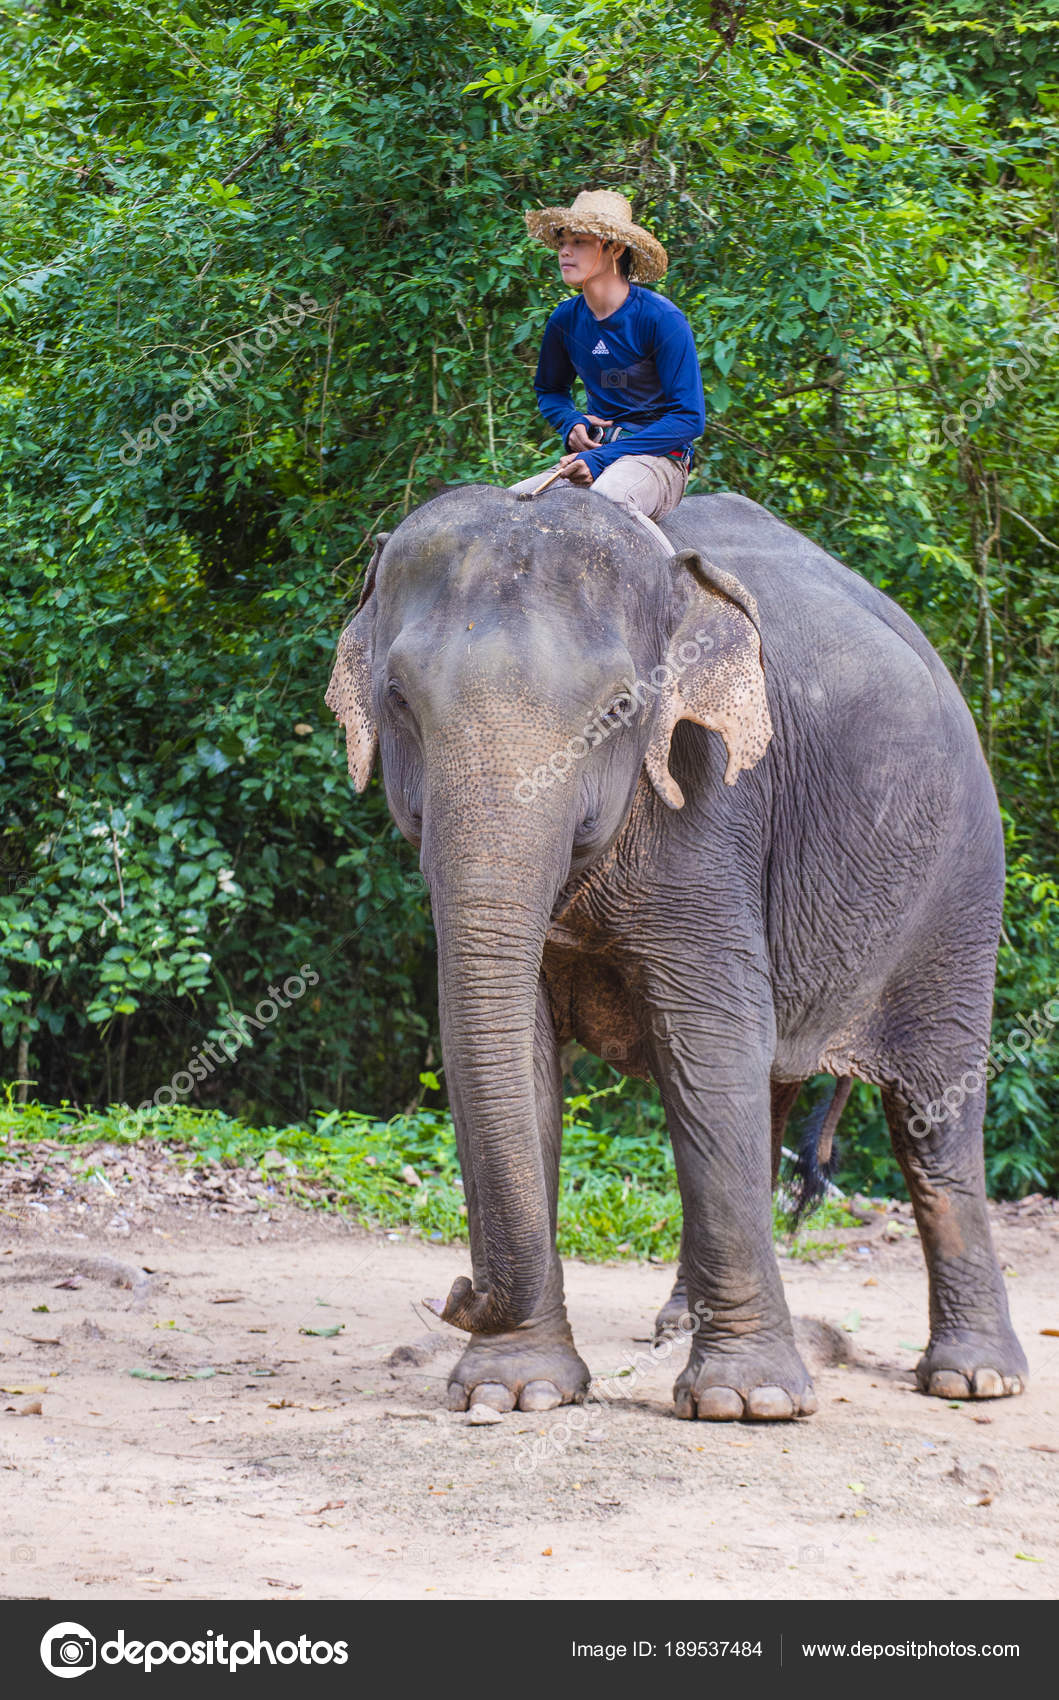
(1014, 1385)
(685, 1404)
(539, 1396)
(949, 1384)
(988, 1384)
(720, 1405)
(495, 1395)
(457, 1397)
(809, 1402)
(769, 1404)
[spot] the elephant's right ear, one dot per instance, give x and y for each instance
(349, 693)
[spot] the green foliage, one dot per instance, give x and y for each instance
(608, 1208)
(300, 230)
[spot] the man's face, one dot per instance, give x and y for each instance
(581, 256)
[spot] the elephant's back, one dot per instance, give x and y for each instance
(781, 564)
(818, 615)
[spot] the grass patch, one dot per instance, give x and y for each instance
(618, 1194)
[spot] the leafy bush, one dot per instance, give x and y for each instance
(860, 219)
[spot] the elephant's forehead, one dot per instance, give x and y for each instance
(510, 564)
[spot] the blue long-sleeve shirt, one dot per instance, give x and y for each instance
(639, 369)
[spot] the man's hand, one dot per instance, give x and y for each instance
(573, 468)
(579, 437)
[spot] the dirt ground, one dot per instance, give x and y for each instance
(281, 1462)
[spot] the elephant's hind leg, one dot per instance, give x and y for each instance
(973, 1351)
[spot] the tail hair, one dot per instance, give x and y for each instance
(818, 1152)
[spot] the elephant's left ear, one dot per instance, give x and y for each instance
(713, 673)
(349, 693)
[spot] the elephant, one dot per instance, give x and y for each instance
(719, 814)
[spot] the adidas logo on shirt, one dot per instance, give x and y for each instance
(601, 347)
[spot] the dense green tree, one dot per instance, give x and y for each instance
(265, 286)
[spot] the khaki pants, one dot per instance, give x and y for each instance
(647, 486)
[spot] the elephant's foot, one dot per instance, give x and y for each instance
(752, 1380)
(972, 1365)
(532, 1368)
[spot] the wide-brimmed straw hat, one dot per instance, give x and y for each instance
(602, 212)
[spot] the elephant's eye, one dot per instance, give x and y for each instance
(619, 710)
(395, 694)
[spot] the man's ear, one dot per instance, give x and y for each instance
(349, 693)
(714, 672)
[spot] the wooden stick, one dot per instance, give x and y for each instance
(525, 495)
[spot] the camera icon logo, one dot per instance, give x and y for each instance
(68, 1649)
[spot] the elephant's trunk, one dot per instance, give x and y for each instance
(491, 912)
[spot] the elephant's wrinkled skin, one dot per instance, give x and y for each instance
(833, 907)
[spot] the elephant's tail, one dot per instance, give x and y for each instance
(817, 1150)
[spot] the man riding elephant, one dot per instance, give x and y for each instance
(634, 352)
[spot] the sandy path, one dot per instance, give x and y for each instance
(313, 1466)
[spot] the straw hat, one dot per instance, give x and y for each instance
(602, 212)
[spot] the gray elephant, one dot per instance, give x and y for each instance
(721, 814)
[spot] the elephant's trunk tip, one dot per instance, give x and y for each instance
(476, 1313)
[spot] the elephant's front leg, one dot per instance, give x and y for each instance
(673, 1318)
(535, 1366)
(713, 1071)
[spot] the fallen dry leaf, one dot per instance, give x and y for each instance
(546, 1552)
(1053, 1333)
(274, 1582)
(33, 1409)
(1042, 1446)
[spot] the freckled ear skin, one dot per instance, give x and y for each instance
(349, 693)
(717, 675)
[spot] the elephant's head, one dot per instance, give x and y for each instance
(519, 664)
